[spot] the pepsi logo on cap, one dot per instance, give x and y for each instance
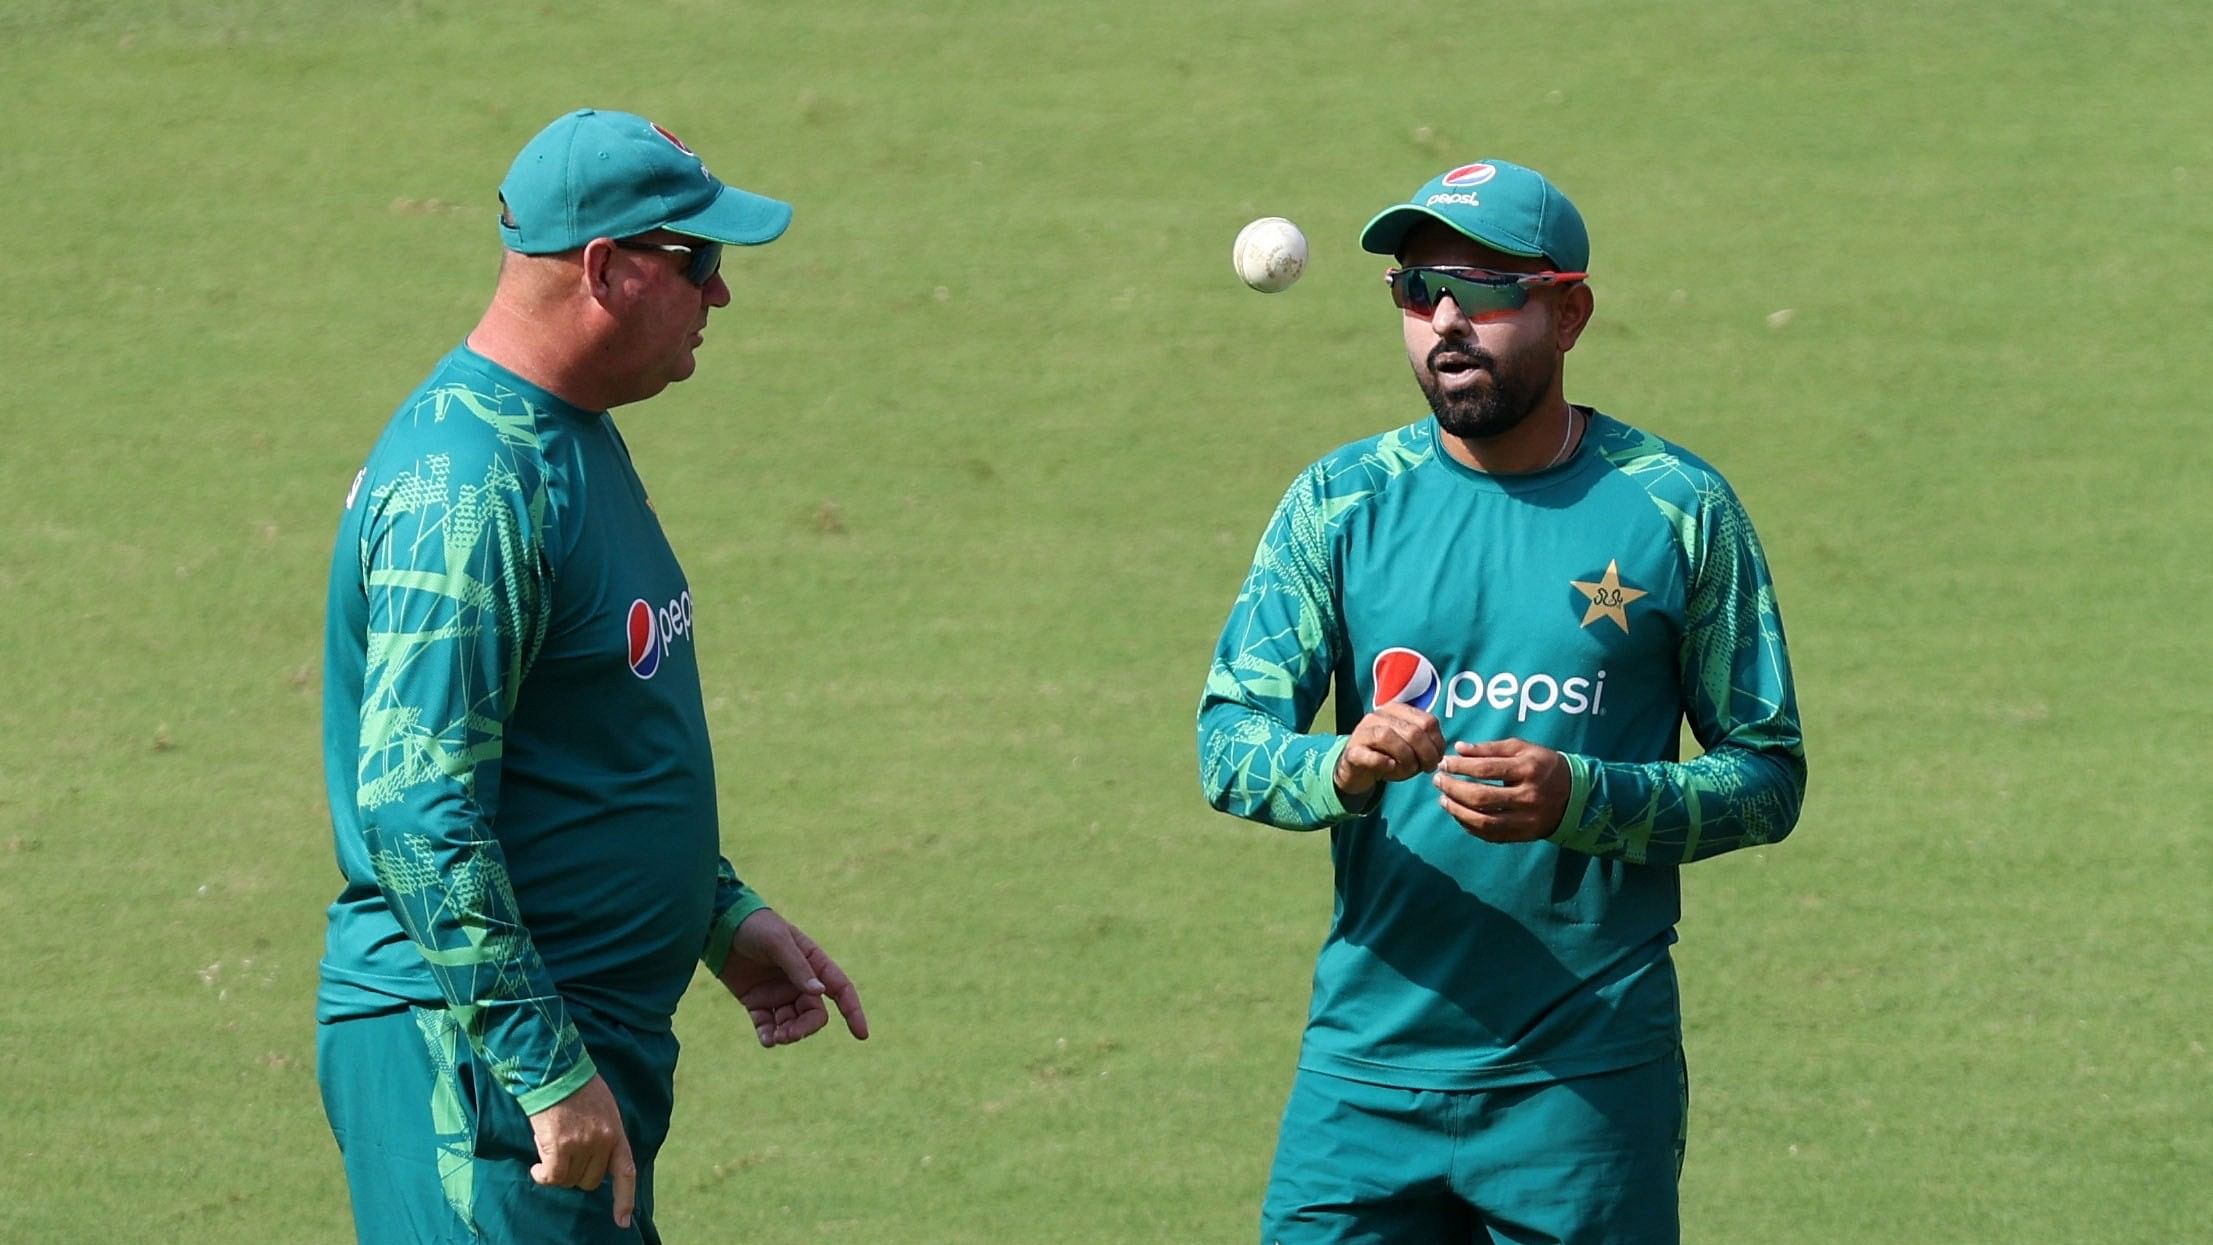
(1470, 175)
(674, 141)
(645, 640)
(1404, 677)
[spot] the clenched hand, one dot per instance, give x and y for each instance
(581, 1142)
(1393, 743)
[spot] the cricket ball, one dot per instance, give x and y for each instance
(1269, 254)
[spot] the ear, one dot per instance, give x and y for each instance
(598, 258)
(1576, 305)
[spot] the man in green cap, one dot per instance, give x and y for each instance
(1515, 602)
(515, 745)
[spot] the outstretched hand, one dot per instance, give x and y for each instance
(783, 977)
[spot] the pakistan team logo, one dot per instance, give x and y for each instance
(1609, 598)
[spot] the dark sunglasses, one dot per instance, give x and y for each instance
(702, 260)
(1472, 290)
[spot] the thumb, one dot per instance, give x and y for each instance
(784, 949)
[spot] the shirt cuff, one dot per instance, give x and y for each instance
(1330, 804)
(536, 1100)
(725, 928)
(1582, 776)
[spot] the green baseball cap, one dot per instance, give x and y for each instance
(1503, 206)
(600, 174)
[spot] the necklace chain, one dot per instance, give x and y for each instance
(1566, 436)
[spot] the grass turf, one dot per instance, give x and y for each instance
(967, 480)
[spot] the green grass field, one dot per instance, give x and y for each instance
(967, 480)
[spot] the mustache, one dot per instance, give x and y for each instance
(1474, 356)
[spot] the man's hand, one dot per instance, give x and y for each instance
(1528, 800)
(581, 1141)
(781, 976)
(1394, 742)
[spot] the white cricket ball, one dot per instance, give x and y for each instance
(1269, 254)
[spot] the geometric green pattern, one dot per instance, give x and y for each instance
(458, 606)
(1261, 765)
(1453, 963)
(450, 1118)
(1747, 788)
(1269, 679)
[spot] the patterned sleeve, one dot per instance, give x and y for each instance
(1271, 673)
(458, 594)
(734, 901)
(1747, 787)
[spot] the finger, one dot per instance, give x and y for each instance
(782, 1026)
(1424, 740)
(775, 992)
(766, 1024)
(1391, 738)
(811, 1017)
(1419, 719)
(1473, 820)
(849, 1006)
(1492, 748)
(1367, 755)
(1514, 827)
(1481, 797)
(595, 1170)
(625, 1171)
(847, 996)
(1368, 762)
(554, 1162)
(1429, 747)
(1506, 769)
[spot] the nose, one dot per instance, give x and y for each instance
(717, 291)
(1446, 320)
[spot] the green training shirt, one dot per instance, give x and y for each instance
(521, 789)
(1591, 607)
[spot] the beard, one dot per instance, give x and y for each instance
(1483, 411)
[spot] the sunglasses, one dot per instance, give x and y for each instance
(1473, 290)
(702, 260)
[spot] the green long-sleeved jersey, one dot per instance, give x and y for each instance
(1592, 607)
(521, 789)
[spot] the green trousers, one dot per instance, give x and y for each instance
(436, 1151)
(1592, 1160)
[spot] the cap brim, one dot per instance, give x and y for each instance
(1386, 234)
(737, 218)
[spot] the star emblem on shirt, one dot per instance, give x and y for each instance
(1609, 597)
